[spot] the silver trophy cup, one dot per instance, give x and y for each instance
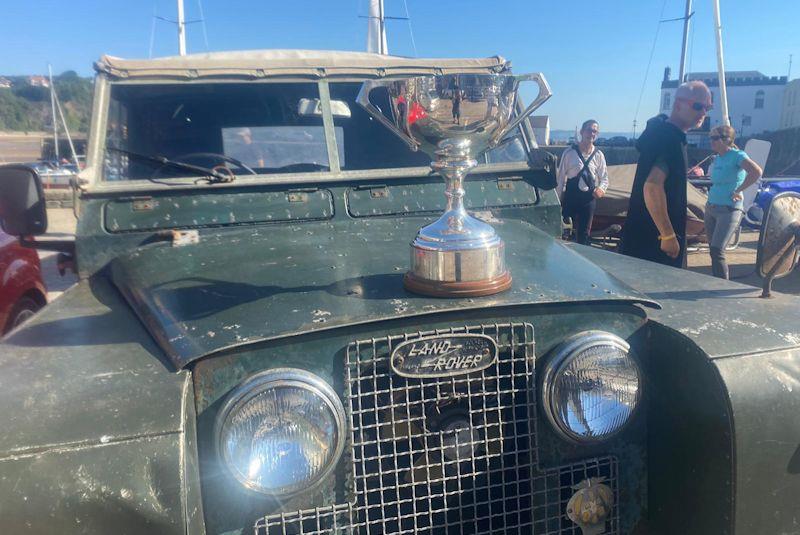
(454, 118)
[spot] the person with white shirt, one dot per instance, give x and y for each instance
(582, 179)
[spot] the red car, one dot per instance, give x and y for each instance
(22, 290)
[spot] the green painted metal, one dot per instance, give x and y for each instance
(100, 389)
(98, 419)
(231, 507)
(85, 370)
(764, 399)
(722, 317)
(193, 210)
(247, 285)
(690, 438)
(400, 199)
(132, 487)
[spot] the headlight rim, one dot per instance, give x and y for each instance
(572, 347)
(257, 383)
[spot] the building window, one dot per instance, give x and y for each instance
(759, 100)
(666, 104)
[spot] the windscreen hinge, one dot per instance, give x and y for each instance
(299, 195)
(376, 191)
(507, 183)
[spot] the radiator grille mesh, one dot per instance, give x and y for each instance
(451, 455)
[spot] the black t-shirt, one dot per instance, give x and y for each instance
(662, 144)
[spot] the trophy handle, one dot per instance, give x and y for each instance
(544, 94)
(363, 100)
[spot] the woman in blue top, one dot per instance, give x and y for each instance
(731, 173)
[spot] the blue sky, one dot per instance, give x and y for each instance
(593, 53)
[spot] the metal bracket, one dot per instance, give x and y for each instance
(379, 193)
(505, 184)
(376, 191)
(144, 204)
(298, 196)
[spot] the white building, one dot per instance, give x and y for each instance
(541, 129)
(38, 81)
(755, 101)
(790, 117)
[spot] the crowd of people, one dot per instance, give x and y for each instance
(655, 228)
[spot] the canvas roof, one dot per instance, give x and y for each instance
(269, 63)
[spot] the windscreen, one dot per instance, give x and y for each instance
(244, 127)
(367, 144)
(252, 128)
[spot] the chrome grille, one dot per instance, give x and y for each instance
(452, 455)
(448, 454)
(554, 488)
(319, 521)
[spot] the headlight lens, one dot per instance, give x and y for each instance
(591, 387)
(281, 431)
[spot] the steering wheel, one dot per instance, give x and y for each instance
(222, 157)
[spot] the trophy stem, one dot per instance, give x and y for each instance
(454, 184)
(454, 173)
(457, 255)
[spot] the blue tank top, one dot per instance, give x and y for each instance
(727, 175)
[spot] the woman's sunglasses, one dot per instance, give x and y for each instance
(716, 138)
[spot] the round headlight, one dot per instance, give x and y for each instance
(281, 431)
(591, 387)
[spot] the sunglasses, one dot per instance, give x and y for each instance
(698, 106)
(716, 138)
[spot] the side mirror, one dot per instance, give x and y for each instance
(22, 205)
(779, 240)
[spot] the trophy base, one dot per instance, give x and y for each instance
(434, 288)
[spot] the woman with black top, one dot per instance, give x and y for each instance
(582, 179)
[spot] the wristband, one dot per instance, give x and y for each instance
(665, 238)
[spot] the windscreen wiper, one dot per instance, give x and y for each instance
(212, 175)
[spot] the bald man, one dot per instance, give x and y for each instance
(655, 228)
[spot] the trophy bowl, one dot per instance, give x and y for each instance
(454, 118)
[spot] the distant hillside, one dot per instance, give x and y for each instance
(25, 107)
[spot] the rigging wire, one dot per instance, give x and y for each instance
(650, 61)
(203, 20)
(410, 29)
(152, 31)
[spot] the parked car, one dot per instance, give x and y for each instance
(22, 290)
(232, 358)
(53, 174)
(766, 192)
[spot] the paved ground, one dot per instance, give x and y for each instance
(19, 147)
(61, 222)
(742, 262)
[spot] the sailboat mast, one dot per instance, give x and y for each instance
(723, 93)
(686, 17)
(376, 29)
(181, 30)
(66, 128)
(53, 111)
